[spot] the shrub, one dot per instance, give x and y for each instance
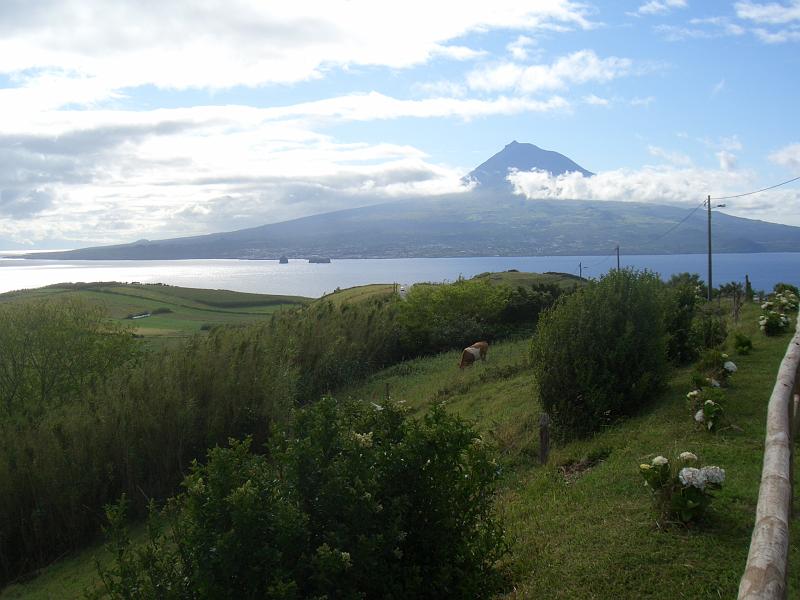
(356, 503)
(786, 287)
(772, 322)
(439, 317)
(600, 353)
(707, 407)
(742, 343)
(681, 490)
(714, 368)
(681, 307)
(709, 328)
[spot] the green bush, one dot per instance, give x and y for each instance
(600, 353)
(786, 287)
(136, 432)
(434, 318)
(709, 328)
(356, 503)
(681, 306)
(742, 343)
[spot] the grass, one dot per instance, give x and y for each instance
(359, 293)
(186, 310)
(593, 534)
(515, 279)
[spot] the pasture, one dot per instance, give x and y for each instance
(175, 312)
(582, 526)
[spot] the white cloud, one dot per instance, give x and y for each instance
(718, 87)
(79, 51)
(596, 100)
(458, 52)
(372, 106)
(579, 67)
(665, 184)
(660, 7)
(520, 47)
(789, 157)
(642, 101)
(727, 160)
(773, 13)
(675, 158)
(731, 143)
(778, 37)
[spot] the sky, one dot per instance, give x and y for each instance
(155, 119)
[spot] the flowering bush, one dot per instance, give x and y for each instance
(772, 322)
(682, 490)
(706, 405)
(713, 369)
(773, 319)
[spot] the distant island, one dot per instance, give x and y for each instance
(489, 220)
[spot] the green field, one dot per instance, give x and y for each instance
(359, 293)
(583, 530)
(512, 278)
(176, 312)
(583, 526)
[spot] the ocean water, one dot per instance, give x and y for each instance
(304, 279)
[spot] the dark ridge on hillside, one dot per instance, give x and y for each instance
(474, 224)
(522, 157)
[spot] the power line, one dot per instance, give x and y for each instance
(679, 223)
(772, 187)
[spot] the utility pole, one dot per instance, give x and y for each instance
(617, 257)
(708, 203)
(580, 270)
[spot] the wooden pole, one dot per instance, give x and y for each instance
(765, 576)
(544, 437)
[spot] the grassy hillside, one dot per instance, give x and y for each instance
(176, 312)
(583, 526)
(359, 293)
(529, 280)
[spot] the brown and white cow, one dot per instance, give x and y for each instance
(473, 353)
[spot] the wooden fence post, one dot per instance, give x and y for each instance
(766, 573)
(544, 437)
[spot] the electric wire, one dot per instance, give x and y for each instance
(772, 187)
(679, 223)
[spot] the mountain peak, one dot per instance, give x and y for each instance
(522, 157)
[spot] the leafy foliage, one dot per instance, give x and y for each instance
(742, 343)
(709, 327)
(601, 352)
(356, 503)
(680, 489)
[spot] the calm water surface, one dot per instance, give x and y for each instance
(304, 279)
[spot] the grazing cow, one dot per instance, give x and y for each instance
(473, 353)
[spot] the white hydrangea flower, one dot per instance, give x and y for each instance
(363, 439)
(687, 456)
(693, 394)
(710, 402)
(699, 416)
(659, 461)
(692, 477)
(730, 366)
(714, 383)
(712, 474)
